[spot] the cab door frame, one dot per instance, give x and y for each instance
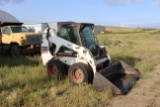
(6, 33)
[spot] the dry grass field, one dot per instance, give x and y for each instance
(24, 82)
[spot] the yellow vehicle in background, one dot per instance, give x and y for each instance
(16, 39)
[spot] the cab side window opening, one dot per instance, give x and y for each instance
(63, 33)
(69, 33)
(6, 30)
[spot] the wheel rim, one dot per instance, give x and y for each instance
(77, 75)
(53, 71)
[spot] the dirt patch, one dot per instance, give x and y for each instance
(146, 92)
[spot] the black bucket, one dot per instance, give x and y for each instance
(119, 77)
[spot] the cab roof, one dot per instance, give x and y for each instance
(75, 23)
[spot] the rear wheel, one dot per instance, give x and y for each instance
(55, 69)
(15, 50)
(80, 73)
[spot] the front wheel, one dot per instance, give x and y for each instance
(15, 50)
(80, 73)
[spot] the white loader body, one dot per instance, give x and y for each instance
(83, 56)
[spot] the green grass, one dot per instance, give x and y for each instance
(137, 49)
(23, 81)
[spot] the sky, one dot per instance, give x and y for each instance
(99, 12)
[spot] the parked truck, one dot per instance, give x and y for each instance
(16, 39)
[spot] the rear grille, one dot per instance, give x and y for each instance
(32, 39)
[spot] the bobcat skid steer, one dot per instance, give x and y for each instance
(71, 48)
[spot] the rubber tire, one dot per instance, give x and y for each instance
(15, 51)
(60, 69)
(87, 73)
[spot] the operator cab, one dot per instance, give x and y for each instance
(78, 33)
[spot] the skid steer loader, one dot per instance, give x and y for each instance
(71, 48)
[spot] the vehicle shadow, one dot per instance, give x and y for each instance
(6, 60)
